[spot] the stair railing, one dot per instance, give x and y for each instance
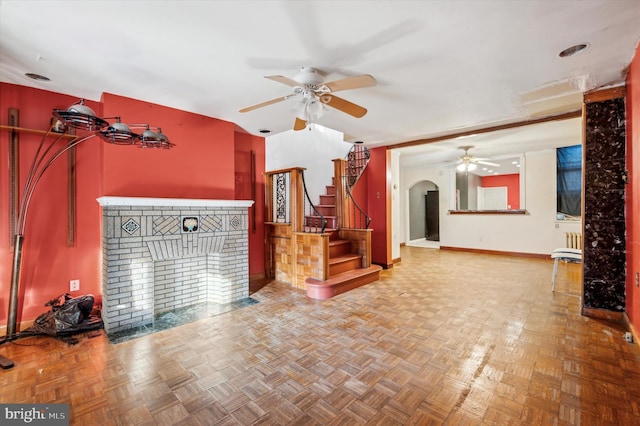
(348, 171)
(357, 160)
(314, 221)
(356, 217)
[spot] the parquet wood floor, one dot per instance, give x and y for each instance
(443, 338)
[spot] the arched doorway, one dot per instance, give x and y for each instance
(424, 214)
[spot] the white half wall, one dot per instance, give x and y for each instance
(536, 232)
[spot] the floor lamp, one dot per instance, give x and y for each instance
(80, 117)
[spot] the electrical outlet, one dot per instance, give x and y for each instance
(74, 285)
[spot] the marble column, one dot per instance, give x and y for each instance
(604, 252)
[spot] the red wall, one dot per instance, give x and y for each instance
(379, 205)
(246, 147)
(633, 191)
(48, 263)
(202, 165)
(512, 182)
(199, 166)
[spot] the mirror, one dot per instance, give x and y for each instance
(486, 188)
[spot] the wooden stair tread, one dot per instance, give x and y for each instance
(338, 242)
(336, 279)
(344, 258)
(342, 283)
(327, 230)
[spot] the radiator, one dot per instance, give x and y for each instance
(573, 240)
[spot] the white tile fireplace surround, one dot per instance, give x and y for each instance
(160, 254)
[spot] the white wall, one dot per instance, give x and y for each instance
(396, 228)
(536, 232)
(313, 150)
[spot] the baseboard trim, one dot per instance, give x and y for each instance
(603, 314)
(498, 252)
(23, 325)
(257, 277)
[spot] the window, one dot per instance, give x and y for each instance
(569, 181)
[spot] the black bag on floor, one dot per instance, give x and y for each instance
(68, 315)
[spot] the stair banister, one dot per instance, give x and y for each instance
(314, 213)
(347, 172)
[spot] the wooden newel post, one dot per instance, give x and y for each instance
(297, 199)
(338, 177)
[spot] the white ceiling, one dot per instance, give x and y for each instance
(442, 67)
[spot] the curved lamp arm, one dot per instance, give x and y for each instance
(81, 117)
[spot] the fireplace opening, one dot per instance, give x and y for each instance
(172, 255)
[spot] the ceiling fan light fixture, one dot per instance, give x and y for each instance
(308, 76)
(309, 86)
(301, 109)
(466, 167)
(314, 109)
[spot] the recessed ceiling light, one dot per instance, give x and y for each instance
(264, 131)
(570, 51)
(37, 76)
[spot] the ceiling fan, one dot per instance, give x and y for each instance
(314, 94)
(468, 162)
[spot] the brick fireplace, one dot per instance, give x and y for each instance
(160, 254)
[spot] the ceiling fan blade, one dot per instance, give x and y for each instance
(299, 124)
(263, 104)
(351, 83)
(343, 105)
(486, 163)
(284, 80)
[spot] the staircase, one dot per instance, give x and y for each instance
(327, 207)
(346, 270)
(322, 249)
